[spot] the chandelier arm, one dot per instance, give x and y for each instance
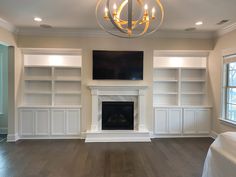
(130, 10)
(162, 16)
(146, 28)
(112, 20)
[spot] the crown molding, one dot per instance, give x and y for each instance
(226, 30)
(54, 51)
(181, 53)
(60, 32)
(33, 31)
(7, 26)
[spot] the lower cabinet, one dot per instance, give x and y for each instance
(168, 121)
(182, 121)
(197, 121)
(49, 122)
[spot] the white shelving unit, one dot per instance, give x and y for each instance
(51, 103)
(179, 87)
(165, 86)
(52, 85)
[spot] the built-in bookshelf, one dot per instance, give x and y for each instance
(52, 83)
(180, 98)
(51, 104)
(180, 86)
(165, 86)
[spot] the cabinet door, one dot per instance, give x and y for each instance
(73, 122)
(42, 122)
(58, 122)
(161, 121)
(175, 121)
(203, 121)
(26, 122)
(189, 122)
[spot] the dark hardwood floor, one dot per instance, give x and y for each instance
(74, 158)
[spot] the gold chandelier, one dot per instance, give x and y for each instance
(129, 18)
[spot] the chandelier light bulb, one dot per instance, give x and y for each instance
(145, 7)
(105, 9)
(153, 12)
(114, 6)
(106, 13)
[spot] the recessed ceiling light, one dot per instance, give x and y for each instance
(45, 26)
(222, 22)
(199, 23)
(190, 29)
(37, 19)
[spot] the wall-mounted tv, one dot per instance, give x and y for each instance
(117, 65)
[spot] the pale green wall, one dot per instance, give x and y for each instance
(3, 87)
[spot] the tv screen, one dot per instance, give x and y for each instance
(117, 65)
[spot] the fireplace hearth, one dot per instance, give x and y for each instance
(117, 115)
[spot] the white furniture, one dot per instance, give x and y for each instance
(51, 96)
(181, 103)
(102, 93)
(168, 121)
(221, 157)
(49, 122)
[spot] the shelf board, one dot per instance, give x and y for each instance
(156, 80)
(174, 68)
(165, 93)
(49, 106)
(73, 67)
(193, 93)
(67, 80)
(37, 79)
(67, 93)
(182, 106)
(37, 93)
(196, 106)
(37, 66)
(165, 105)
(200, 80)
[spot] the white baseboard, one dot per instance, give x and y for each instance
(12, 137)
(48, 137)
(214, 134)
(3, 131)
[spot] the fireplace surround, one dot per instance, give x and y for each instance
(107, 93)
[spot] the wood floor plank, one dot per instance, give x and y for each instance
(74, 158)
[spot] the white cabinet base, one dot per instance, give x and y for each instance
(49, 123)
(181, 122)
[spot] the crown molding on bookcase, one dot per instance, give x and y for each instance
(7, 26)
(54, 51)
(181, 53)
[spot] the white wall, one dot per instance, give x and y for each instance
(4, 89)
(148, 45)
(14, 75)
(225, 42)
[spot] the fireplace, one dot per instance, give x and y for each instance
(127, 106)
(117, 115)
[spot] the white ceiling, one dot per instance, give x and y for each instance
(74, 14)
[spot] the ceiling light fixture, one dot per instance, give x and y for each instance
(129, 18)
(199, 23)
(37, 19)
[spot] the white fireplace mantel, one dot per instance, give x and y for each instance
(96, 134)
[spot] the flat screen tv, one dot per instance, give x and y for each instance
(117, 65)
